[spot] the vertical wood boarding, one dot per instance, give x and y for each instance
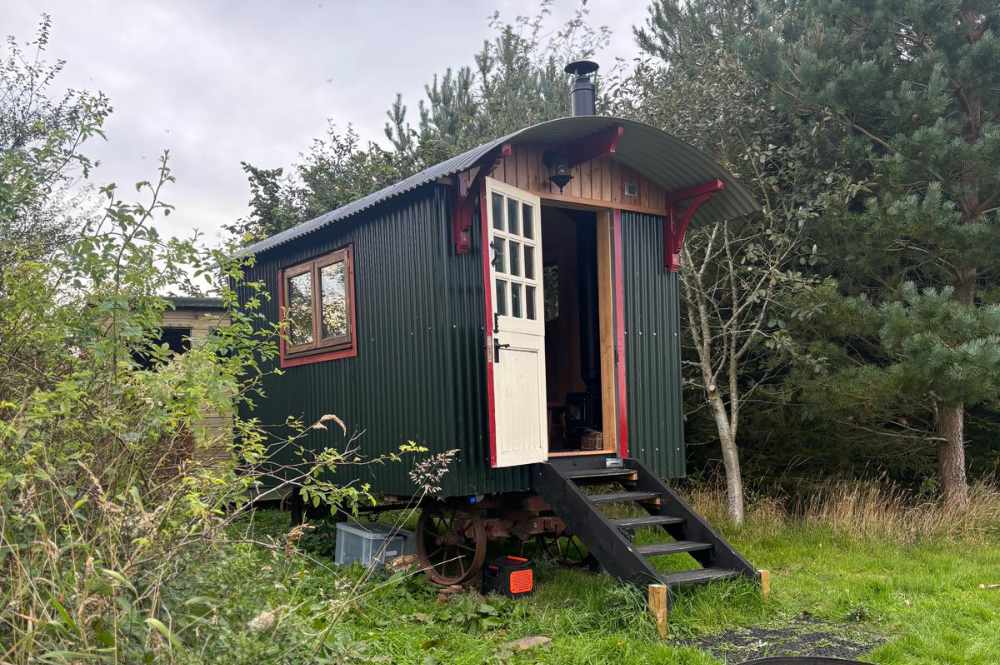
(598, 181)
(606, 323)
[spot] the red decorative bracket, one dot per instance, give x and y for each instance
(676, 223)
(595, 145)
(467, 186)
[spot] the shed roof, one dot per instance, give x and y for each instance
(667, 161)
(193, 302)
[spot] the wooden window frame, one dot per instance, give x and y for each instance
(320, 349)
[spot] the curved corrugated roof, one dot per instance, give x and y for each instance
(665, 160)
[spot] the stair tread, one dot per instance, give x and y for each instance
(672, 548)
(646, 520)
(622, 496)
(584, 474)
(698, 576)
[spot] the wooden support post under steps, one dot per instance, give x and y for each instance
(657, 600)
(765, 584)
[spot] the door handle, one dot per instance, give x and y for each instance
(496, 351)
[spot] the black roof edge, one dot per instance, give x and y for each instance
(635, 150)
(195, 302)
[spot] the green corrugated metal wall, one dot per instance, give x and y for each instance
(418, 374)
(652, 348)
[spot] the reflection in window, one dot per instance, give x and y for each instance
(299, 310)
(513, 224)
(317, 308)
(499, 253)
(528, 219)
(333, 300)
(497, 211)
(515, 300)
(501, 297)
(515, 259)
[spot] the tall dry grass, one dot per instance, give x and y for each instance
(864, 509)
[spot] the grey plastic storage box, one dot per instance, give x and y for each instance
(371, 543)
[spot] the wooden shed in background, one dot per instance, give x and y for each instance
(188, 323)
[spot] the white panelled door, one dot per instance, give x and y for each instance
(518, 349)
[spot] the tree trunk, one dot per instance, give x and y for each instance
(951, 455)
(951, 418)
(730, 460)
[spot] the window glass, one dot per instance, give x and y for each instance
(501, 297)
(529, 301)
(528, 220)
(497, 211)
(333, 300)
(529, 261)
(515, 259)
(500, 255)
(318, 309)
(515, 300)
(299, 310)
(513, 218)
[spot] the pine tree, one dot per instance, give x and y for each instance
(917, 85)
(739, 277)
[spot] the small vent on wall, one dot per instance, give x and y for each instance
(631, 188)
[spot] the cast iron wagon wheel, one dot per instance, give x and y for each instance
(451, 543)
(565, 549)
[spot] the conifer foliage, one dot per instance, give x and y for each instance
(917, 86)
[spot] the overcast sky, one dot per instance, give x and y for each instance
(224, 81)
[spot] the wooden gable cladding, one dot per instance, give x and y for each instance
(597, 182)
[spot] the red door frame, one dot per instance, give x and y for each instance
(619, 309)
(484, 245)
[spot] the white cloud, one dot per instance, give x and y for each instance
(221, 82)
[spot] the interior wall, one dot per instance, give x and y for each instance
(605, 285)
(562, 335)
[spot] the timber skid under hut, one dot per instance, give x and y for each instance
(517, 303)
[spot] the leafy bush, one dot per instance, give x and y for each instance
(96, 507)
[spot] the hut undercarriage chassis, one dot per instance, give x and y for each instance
(452, 534)
(567, 519)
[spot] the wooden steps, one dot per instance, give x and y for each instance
(698, 576)
(601, 475)
(629, 523)
(623, 497)
(676, 547)
(609, 539)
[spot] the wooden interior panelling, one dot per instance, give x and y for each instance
(606, 323)
(599, 182)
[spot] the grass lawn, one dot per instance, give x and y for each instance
(904, 603)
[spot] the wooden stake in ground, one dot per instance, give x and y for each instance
(765, 584)
(657, 600)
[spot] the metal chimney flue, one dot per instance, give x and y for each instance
(583, 96)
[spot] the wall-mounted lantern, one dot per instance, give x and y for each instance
(559, 168)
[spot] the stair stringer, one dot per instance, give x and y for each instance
(694, 527)
(603, 539)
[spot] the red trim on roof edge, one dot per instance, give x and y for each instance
(676, 222)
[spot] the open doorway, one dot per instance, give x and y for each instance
(579, 344)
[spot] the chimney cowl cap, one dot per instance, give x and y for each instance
(581, 68)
